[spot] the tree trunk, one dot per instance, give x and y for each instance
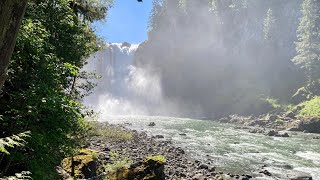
(11, 13)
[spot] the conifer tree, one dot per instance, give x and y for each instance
(308, 44)
(269, 26)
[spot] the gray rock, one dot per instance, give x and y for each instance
(266, 172)
(272, 117)
(282, 135)
(310, 125)
(272, 133)
(203, 166)
(287, 166)
(159, 136)
(299, 176)
(199, 177)
(253, 130)
(152, 124)
(290, 115)
(212, 169)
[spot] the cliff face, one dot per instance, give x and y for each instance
(222, 55)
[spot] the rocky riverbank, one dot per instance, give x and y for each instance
(179, 165)
(278, 122)
(142, 156)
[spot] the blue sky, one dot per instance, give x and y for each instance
(127, 21)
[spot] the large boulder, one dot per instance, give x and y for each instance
(290, 114)
(84, 164)
(272, 133)
(151, 168)
(311, 125)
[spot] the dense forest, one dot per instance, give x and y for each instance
(234, 57)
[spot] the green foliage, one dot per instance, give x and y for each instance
(310, 108)
(44, 89)
(91, 10)
(159, 158)
(117, 162)
(278, 105)
(13, 141)
(279, 122)
(307, 47)
(109, 132)
(19, 176)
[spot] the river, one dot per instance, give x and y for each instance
(231, 149)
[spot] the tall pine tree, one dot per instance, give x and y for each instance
(308, 45)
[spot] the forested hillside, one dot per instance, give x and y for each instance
(232, 57)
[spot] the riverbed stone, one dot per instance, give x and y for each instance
(159, 136)
(299, 176)
(272, 133)
(152, 124)
(203, 166)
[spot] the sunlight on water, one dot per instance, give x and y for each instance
(231, 149)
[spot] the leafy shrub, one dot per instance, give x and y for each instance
(109, 132)
(117, 162)
(279, 122)
(278, 105)
(159, 158)
(18, 176)
(13, 141)
(311, 108)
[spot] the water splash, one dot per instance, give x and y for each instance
(124, 88)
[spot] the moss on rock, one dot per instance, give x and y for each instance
(152, 168)
(84, 164)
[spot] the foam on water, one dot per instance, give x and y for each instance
(308, 155)
(232, 149)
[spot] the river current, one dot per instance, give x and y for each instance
(231, 149)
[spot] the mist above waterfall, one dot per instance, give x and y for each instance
(126, 89)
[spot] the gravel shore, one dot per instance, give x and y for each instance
(179, 165)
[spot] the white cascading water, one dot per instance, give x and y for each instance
(124, 89)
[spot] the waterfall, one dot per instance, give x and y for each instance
(123, 88)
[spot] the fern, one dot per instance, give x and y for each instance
(13, 141)
(19, 176)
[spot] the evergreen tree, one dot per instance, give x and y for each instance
(308, 45)
(269, 26)
(154, 14)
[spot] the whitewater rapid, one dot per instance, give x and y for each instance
(234, 150)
